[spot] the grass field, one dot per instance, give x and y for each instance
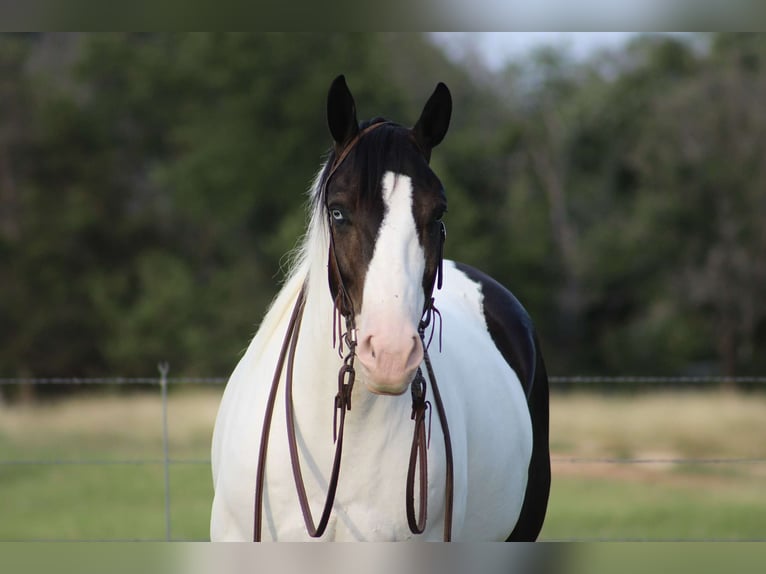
(588, 499)
(658, 500)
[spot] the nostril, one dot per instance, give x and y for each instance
(416, 353)
(401, 355)
(366, 347)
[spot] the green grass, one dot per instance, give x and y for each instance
(658, 501)
(105, 502)
(588, 500)
(623, 509)
(97, 502)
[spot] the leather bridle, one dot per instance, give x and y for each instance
(342, 401)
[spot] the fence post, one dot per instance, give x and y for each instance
(164, 368)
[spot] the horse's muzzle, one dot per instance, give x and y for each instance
(389, 363)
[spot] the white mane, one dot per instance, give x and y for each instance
(310, 253)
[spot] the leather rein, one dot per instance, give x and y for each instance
(342, 404)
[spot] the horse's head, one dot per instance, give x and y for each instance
(384, 205)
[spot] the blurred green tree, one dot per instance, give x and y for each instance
(167, 181)
(151, 184)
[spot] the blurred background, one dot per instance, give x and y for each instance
(152, 184)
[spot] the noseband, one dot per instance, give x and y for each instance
(342, 402)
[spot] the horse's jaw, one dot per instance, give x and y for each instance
(391, 389)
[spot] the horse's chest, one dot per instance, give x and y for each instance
(370, 499)
(491, 435)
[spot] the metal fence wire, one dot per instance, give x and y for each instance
(163, 381)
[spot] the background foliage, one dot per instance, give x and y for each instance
(150, 186)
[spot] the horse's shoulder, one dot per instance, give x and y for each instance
(509, 325)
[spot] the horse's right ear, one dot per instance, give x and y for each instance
(341, 114)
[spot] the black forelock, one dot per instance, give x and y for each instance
(389, 147)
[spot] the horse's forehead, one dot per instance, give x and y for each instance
(362, 175)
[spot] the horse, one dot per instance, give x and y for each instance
(370, 299)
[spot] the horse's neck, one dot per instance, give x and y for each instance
(317, 322)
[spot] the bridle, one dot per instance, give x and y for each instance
(342, 401)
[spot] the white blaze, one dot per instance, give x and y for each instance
(393, 293)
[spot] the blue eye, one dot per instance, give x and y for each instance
(337, 215)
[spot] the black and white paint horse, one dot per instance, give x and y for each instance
(376, 233)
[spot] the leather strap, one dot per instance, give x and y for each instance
(342, 404)
(266, 429)
(449, 485)
(419, 450)
(420, 441)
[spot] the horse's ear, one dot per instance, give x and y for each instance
(341, 113)
(432, 126)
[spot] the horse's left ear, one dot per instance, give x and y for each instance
(432, 126)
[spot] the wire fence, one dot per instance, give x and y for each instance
(163, 382)
(555, 381)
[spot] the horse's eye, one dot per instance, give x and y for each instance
(337, 215)
(439, 214)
